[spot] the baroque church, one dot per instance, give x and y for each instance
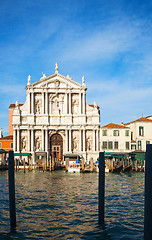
(56, 119)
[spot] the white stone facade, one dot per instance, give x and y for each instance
(57, 105)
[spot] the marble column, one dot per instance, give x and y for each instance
(66, 140)
(70, 140)
(14, 140)
(84, 103)
(97, 140)
(43, 140)
(18, 140)
(94, 140)
(46, 103)
(29, 102)
(84, 141)
(32, 140)
(46, 140)
(66, 103)
(32, 102)
(70, 103)
(80, 104)
(29, 140)
(43, 110)
(80, 141)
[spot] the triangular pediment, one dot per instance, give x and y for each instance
(57, 81)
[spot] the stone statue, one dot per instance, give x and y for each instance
(75, 145)
(56, 68)
(17, 104)
(44, 75)
(37, 143)
(88, 144)
(23, 143)
(95, 105)
(83, 80)
(29, 80)
(37, 107)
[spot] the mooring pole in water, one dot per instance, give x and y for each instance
(11, 190)
(101, 190)
(148, 194)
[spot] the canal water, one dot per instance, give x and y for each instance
(59, 205)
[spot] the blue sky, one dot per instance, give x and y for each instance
(109, 42)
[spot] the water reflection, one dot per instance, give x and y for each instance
(61, 205)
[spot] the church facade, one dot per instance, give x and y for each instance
(56, 119)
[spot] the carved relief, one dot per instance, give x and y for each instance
(24, 143)
(57, 103)
(38, 103)
(75, 141)
(75, 103)
(38, 140)
(89, 141)
(38, 106)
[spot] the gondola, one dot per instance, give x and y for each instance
(127, 169)
(117, 169)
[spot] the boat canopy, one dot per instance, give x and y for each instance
(22, 154)
(116, 155)
(2, 151)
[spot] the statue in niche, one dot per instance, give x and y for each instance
(37, 143)
(38, 106)
(75, 105)
(89, 144)
(75, 144)
(23, 143)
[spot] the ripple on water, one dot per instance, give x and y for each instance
(59, 205)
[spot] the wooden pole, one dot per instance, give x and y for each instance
(148, 194)
(82, 164)
(15, 165)
(101, 191)
(24, 164)
(12, 206)
(50, 165)
(31, 165)
(45, 164)
(18, 164)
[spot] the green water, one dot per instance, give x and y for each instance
(59, 205)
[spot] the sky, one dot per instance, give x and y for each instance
(107, 41)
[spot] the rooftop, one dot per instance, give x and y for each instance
(113, 125)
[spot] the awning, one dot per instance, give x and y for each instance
(22, 154)
(71, 155)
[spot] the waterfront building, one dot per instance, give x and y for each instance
(141, 133)
(115, 138)
(56, 119)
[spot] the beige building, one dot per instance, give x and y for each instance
(141, 133)
(115, 138)
(56, 119)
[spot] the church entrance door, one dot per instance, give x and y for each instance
(56, 147)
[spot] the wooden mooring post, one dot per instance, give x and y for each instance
(148, 194)
(101, 190)
(11, 178)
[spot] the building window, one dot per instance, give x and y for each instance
(11, 145)
(139, 145)
(115, 145)
(147, 142)
(133, 147)
(141, 131)
(104, 146)
(0, 145)
(127, 145)
(116, 133)
(110, 145)
(104, 132)
(127, 133)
